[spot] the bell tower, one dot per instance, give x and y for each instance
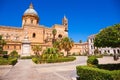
(30, 16)
(65, 23)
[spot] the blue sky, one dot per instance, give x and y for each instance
(85, 17)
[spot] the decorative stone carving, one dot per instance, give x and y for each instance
(26, 47)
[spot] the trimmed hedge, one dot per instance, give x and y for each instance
(92, 61)
(14, 54)
(90, 73)
(13, 61)
(9, 61)
(109, 66)
(4, 61)
(61, 59)
(26, 57)
(35, 60)
(96, 56)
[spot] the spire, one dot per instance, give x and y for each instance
(31, 6)
(65, 17)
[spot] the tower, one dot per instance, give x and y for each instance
(30, 16)
(65, 23)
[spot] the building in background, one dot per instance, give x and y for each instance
(80, 48)
(107, 50)
(31, 32)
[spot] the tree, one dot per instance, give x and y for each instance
(80, 41)
(50, 53)
(37, 49)
(58, 45)
(108, 37)
(67, 44)
(54, 32)
(2, 43)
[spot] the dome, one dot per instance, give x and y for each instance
(30, 10)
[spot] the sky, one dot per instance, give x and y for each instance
(85, 17)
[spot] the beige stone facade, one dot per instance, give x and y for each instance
(37, 34)
(80, 48)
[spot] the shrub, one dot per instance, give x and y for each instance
(26, 57)
(5, 54)
(92, 61)
(9, 61)
(3, 61)
(96, 56)
(13, 61)
(111, 54)
(35, 60)
(14, 54)
(60, 59)
(90, 73)
(109, 66)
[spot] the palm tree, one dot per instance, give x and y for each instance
(2, 43)
(54, 32)
(67, 44)
(37, 49)
(50, 53)
(58, 45)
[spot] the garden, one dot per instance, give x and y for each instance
(51, 55)
(108, 37)
(10, 59)
(95, 71)
(6, 59)
(54, 54)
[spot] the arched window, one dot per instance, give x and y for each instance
(59, 36)
(114, 51)
(118, 51)
(34, 35)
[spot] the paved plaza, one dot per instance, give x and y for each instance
(27, 70)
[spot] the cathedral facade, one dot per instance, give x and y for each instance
(37, 34)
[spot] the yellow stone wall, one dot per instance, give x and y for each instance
(80, 48)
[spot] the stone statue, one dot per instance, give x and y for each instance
(26, 37)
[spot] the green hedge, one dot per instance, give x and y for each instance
(4, 61)
(61, 59)
(96, 56)
(109, 66)
(92, 61)
(90, 73)
(14, 54)
(13, 61)
(9, 61)
(35, 60)
(26, 57)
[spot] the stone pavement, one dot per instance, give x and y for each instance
(27, 70)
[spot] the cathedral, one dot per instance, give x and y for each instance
(31, 33)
